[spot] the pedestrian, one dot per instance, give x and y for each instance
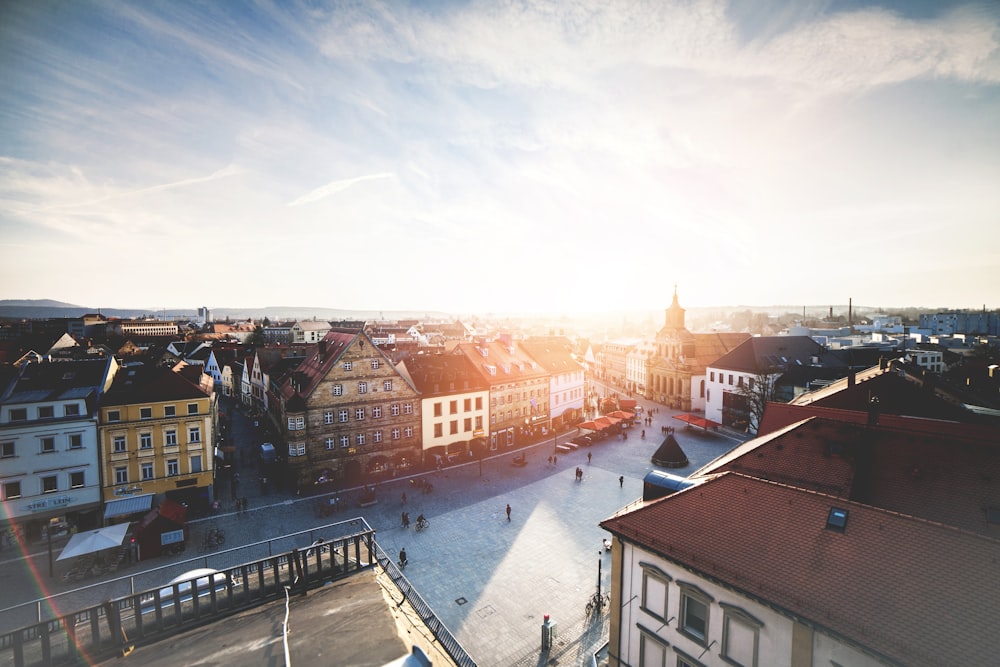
(244, 503)
(555, 459)
(403, 497)
(550, 460)
(589, 456)
(508, 512)
(621, 481)
(405, 519)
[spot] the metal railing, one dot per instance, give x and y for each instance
(99, 631)
(444, 637)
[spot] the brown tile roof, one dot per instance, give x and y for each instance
(944, 477)
(319, 361)
(914, 591)
(553, 353)
(433, 374)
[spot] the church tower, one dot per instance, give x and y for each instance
(675, 314)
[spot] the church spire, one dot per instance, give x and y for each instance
(675, 314)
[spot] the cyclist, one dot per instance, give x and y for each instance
(421, 519)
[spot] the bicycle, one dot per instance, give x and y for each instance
(597, 602)
(421, 524)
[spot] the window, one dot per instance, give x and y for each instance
(387, 385)
(6, 450)
(48, 445)
(376, 411)
(342, 416)
(711, 376)
(46, 412)
(76, 480)
(394, 409)
(121, 475)
(479, 422)
(479, 402)
(192, 408)
(467, 405)
(694, 613)
(296, 423)
(169, 411)
(377, 437)
(329, 443)
(114, 416)
(71, 410)
(359, 439)
(359, 413)
(49, 484)
(652, 649)
(438, 431)
(453, 407)
(173, 469)
(348, 366)
(19, 414)
(730, 379)
(76, 441)
(740, 636)
(362, 387)
(299, 448)
(328, 417)
(453, 427)
(655, 587)
(437, 410)
(684, 660)
(467, 424)
(408, 432)
(118, 444)
(407, 408)
(196, 463)
(338, 390)
(194, 434)
(345, 441)
(375, 364)
(146, 471)
(395, 434)
(145, 413)
(11, 490)
(170, 438)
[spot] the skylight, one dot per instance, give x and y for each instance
(837, 519)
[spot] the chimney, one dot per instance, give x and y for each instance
(322, 350)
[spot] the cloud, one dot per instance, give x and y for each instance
(334, 187)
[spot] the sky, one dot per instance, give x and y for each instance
(516, 156)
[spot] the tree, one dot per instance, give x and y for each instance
(752, 395)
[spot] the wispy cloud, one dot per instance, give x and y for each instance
(333, 187)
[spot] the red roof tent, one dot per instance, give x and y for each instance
(695, 420)
(627, 404)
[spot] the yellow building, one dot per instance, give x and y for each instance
(156, 433)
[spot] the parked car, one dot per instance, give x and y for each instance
(200, 576)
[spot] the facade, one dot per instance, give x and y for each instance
(309, 331)
(143, 328)
(156, 436)
(347, 411)
(519, 390)
(454, 404)
(635, 366)
(49, 472)
(615, 362)
(566, 378)
(826, 542)
(678, 368)
(279, 333)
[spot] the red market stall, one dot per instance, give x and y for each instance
(161, 531)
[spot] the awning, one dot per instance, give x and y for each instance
(621, 414)
(127, 506)
(695, 420)
(92, 541)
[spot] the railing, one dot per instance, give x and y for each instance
(102, 630)
(444, 637)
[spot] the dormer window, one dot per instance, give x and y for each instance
(836, 520)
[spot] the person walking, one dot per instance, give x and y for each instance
(403, 497)
(589, 456)
(508, 512)
(402, 557)
(621, 481)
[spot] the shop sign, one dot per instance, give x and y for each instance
(48, 503)
(128, 490)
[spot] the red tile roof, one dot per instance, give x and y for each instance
(914, 591)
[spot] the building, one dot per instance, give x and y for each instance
(566, 378)
(156, 436)
(454, 404)
(49, 472)
(145, 328)
(829, 541)
(346, 411)
(519, 390)
(309, 331)
(678, 368)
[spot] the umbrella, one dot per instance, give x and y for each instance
(621, 414)
(92, 541)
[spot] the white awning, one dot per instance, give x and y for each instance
(127, 506)
(93, 541)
